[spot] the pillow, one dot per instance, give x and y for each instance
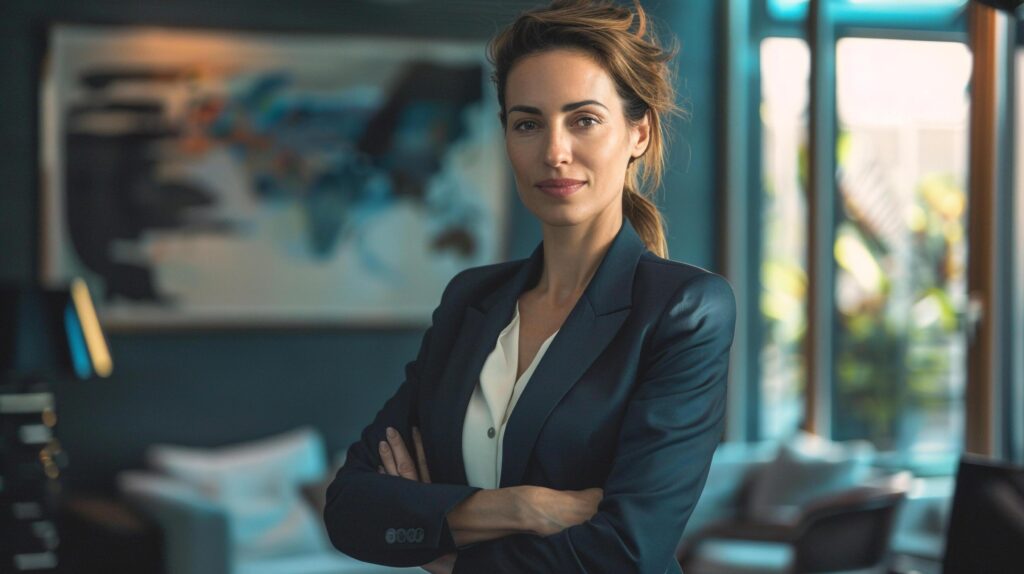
(158, 486)
(257, 485)
(806, 468)
(298, 455)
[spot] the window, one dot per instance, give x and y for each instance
(785, 70)
(901, 72)
(900, 245)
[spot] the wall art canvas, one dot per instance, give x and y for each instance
(198, 177)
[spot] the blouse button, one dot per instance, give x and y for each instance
(490, 432)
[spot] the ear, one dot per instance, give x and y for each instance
(640, 136)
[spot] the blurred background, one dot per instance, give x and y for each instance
(266, 200)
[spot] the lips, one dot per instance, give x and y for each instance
(560, 187)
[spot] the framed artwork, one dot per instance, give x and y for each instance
(205, 178)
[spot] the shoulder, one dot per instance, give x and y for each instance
(474, 283)
(689, 308)
(671, 283)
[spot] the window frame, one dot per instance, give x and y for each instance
(1013, 419)
(748, 23)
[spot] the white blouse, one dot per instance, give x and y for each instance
(492, 403)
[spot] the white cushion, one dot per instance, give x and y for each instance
(256, 483)
(160, 487)
(299, 455)
(805, 468)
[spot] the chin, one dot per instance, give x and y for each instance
(559, 215)
(567, 213)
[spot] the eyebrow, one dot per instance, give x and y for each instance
(565, 108)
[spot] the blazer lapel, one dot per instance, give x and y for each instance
(590, 326)
(481, 325)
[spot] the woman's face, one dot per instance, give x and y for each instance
(568, 138)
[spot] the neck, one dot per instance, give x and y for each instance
(572, 255)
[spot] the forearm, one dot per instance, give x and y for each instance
(466, 537)
(369, 516)
(606, 543)
(490, 514)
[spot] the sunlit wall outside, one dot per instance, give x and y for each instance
(785, 72)
(900, 246)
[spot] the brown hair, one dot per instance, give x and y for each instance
(621, 40)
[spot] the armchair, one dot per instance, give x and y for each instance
(195, 530)
(781, 508)
(848, 531)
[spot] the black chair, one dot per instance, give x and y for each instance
(849, 530)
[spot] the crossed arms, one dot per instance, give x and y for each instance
(668, 434)
(489, 514)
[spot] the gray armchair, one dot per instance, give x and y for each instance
(768, 507)
(195, 532)
(843, 532)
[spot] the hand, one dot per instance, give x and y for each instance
(396, 458)
(398, 462)
(443, 565)
(552, 511)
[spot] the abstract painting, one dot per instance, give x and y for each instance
(205, 178)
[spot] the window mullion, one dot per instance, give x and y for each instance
(821, 204)
(987, 228)
(741, 229)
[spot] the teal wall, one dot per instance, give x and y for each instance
(211, 388)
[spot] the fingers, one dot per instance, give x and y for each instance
(442, 565)
(396, 459)
(404, 464)
(595, 495)
(387, 458)
(421, 456)
(552, 510)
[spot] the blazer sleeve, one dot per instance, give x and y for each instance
(671, 428)
(387, 519)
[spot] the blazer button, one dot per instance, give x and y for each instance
(490, 432)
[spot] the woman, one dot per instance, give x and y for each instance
(562, 411)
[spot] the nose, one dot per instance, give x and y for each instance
(558, 149)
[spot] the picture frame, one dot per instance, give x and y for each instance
(204, 178)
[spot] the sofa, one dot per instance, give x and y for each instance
(252, 508)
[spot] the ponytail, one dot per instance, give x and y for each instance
(646, 219)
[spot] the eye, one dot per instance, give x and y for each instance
(588, 121)
(525, 125)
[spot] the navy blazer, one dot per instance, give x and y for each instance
(629, 397)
